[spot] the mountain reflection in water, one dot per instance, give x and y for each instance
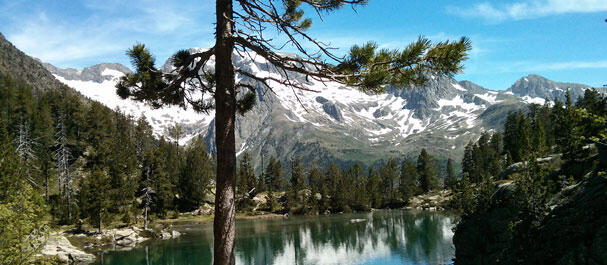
(382, 237)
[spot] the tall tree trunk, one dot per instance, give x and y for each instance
(69, 202)
(225, 100)
(46, 188)
(145, 218)
(99, 227)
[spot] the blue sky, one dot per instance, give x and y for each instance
(564, 40)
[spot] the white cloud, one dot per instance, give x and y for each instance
(105, 29)
(52, 42)
(529, 9)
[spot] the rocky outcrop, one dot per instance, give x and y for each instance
(553, 161)
(574, 230)
(332, 110)
(59, 247)
(432, 201)
(485, 237)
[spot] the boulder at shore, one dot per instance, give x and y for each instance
(58, 246)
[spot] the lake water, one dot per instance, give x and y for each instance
(382, 237)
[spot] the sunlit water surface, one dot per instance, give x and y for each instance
(383, 237)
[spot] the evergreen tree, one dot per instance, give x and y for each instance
(161, 184)
(95, 198)
(123, 167)
(468, 163)
(360, 198)
(22, 229)
(375, 190)
(43, 131)
(319, 190)
(408, 180)
(366, 67)
(426, 165)
(246, 177)
(297, 184)
(274, 175)
(333, 178)
(196, 175)
(389, 173)
(143, 138)
(496, 158)
(450, 179)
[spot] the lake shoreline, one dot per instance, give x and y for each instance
(324, 232)
(160, 229)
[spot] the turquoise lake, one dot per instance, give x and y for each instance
(379, 237)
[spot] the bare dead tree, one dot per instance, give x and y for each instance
(62, 164)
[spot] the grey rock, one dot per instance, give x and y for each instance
(332, 110)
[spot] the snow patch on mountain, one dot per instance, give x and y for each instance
(534, 100)
(160, 119)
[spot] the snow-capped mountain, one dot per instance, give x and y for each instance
(337, 123)
(535, 88)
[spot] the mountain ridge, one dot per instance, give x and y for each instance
(337, 124)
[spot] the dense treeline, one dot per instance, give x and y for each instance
(83, 161)
(77, 161)
(559, 127)
(542, 151)
(315, 190)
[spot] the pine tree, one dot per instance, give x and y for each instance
(468, 163)
(143, 138)
(161, 184)
(319, 190)
(496, 160)
(426, 166)
(43, 131)
(408, 180)
(196, 175)
(95, 198)
(246, 177)
(123, 167)
(450, 179)
(297, 184)
(360, 197)
(274, 175)
(511, 128)
(22, 225)
(243, 31)
(374, 187)
(389, 173)
(333, 178)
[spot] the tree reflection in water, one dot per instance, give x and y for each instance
(398, 236)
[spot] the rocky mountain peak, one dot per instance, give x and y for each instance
(538, 87)
(96, 73)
